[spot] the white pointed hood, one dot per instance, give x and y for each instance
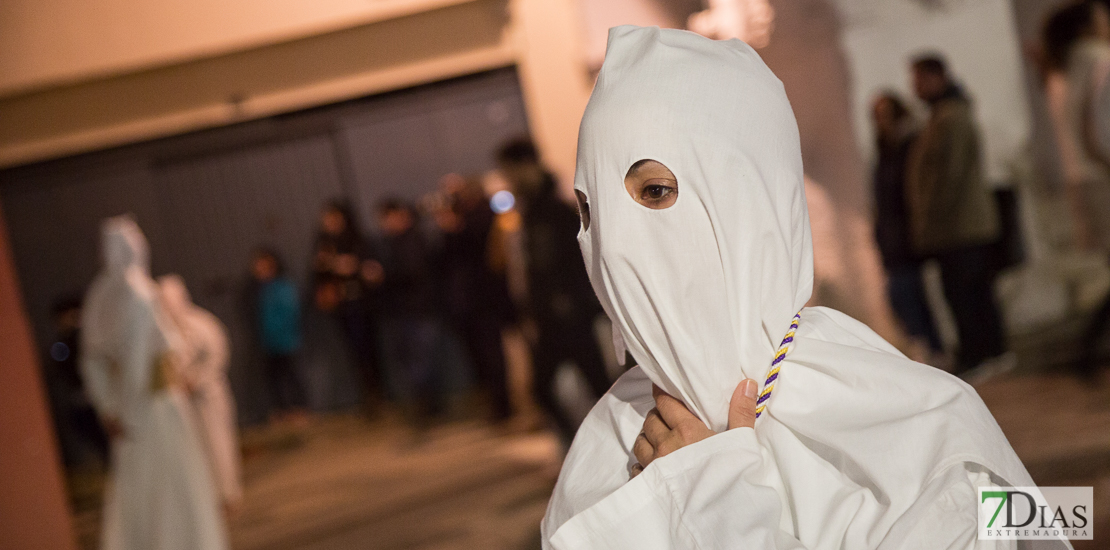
(123, 246)
(702, 292)
(857, 446)
(124, 276)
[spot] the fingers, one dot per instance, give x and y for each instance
(635, 471)
(741, 409)
(671, 426)
(672, 410)
(655, 428)
(643, 450)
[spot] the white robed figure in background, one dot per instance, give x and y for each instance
(696, 238)
(204, 370)
(160, 495)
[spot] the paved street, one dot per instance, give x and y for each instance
(345, 483)
(351, 485)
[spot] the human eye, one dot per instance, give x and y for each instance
(657, 191)
(651, 184)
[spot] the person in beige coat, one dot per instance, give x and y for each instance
(953, 216)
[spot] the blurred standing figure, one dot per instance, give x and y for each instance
(561, 301)
(204, 372)
(343, 261)
(161, 493)
(953, 216)
(1077, 59)
(409, 306)
(478, 299)
(894, 133)
(278, 322)
(79, 431)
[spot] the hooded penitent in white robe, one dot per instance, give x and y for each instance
(204, 369)
(857, 448)
(161, 495)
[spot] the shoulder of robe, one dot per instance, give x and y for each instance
(825, 334)
(598, 461)
(830, 325)
(845, 351)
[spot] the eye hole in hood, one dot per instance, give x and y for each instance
(583, 209)
(652, 184)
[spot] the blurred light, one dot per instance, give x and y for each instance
(509, 222)
(502, 201)
(59, 351)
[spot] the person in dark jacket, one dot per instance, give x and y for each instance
(344, 265)
(561, 301)
(905, 288)
(477, 297)
(80, 434)
(953, 216)
(409, 308)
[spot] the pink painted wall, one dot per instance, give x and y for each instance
(34, 513)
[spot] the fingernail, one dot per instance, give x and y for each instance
(749, 388)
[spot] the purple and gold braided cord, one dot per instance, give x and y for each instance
(773, 375)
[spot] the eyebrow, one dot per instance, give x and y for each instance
(636, 166)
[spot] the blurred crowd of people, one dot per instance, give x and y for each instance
(932, 202)
(418, 309)
(434, 275)
(139, 373)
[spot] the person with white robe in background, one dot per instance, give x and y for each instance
(205, 375)
(696, 237)
(160, 495)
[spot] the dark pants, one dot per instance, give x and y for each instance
(906, 291)
(481, 335)
(566, 342)
(413, 342)
(1087, 365)
(286, 386)
(968, 279)
(362, 336)
(81, 435)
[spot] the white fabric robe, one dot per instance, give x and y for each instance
(160, 495)
(206, 356)
(858, 448)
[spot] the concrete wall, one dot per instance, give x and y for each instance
(45, 43)
(77, 78)
(980, 42)
(34, 513)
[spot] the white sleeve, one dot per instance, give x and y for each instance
(100, 373)
(219, 350)
(711, 491)
(946, 515)
(152, 343)
(213, 350)
(697, 497)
